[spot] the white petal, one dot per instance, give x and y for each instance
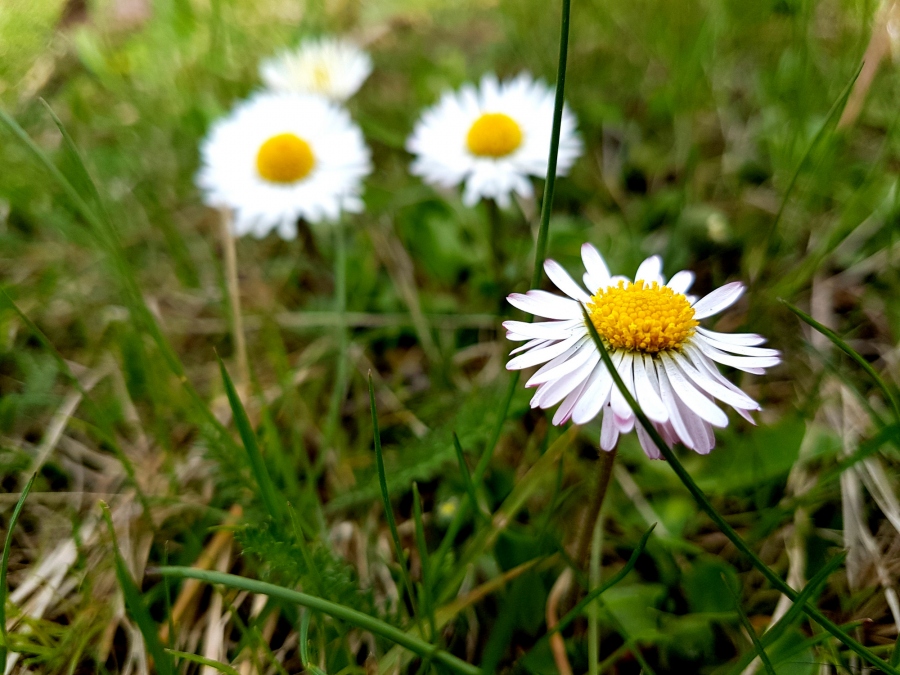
(553, 363)
(694, 400)
(710, 386)
(597, 275)
(595, 395)
(547, 305)
(586, 353)
(750, 364)
(670, 399)
(553, 392)
(719, 299)
(565, 409)
(647, 443)
(740, 349)
(542, 355)
(646, 393)
(547, 330)
(531, 344)
(700, 430)
(704, 364)
(681, 281)
(626, 372)
(564, 282)
(609, 432)
(747, 339)
(650, 270)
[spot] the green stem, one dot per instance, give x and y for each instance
(593, 582)
(704, 503)
(351, 616)
(340, 304)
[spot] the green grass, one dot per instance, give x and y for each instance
(711, 139)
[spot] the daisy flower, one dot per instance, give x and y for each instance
(652, 331)
(332, 67)
(492, 138)
(280, 157)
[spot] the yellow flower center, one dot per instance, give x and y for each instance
(285, 158)
(321, 77)
(642, 317)
(494, 135)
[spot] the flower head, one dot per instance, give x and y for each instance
(331, 67)
(652, 331)
(492, 138)
(279, 157)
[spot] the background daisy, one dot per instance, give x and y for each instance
(280, 157)
(333, 67)
(651, 329)
(492, 138)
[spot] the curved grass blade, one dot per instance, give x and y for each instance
(203, 661)
(750, 630)
(849, 351)
(4, 564)
(257, 464)
(135, 605)
(427, 587)
(467, 478)
(576, 611)
(810, 590)
(351, 616)
(833, 114)
(704, 503)
(386, 499)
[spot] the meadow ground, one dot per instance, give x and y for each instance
(751, 141)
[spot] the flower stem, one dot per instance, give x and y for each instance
(604, 473)
(340, 306)
(234, 295)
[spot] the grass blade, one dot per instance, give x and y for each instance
(4, 564)
(467, 478)
(351, 616)
(704, 503)
(257, 464)
(576, 611)
(748, 627)
(135, 605)
(423, 557)
(386, 499)
(849, 351)
(203, 661)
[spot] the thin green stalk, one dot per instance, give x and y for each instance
(351, 616)
(388, 510)
(427, 587)
(203, 661)
(849, 351)
(267, 490)
(748, 627)
(540, 249)
(467, 478)
(4, 565)
(340, 306)
(727, 530)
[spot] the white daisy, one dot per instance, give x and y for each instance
(493, 138)
(280, 157)
(333, 67)
(651, 329)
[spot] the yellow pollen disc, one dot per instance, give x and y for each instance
(494, 135)
(285, 158)
(642, 317)
(321, 77)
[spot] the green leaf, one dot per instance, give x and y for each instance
(341, 612)
(203, 661)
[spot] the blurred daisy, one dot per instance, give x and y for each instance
(492, 138)
(652, 331)
(280, 157)
(333, 67)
